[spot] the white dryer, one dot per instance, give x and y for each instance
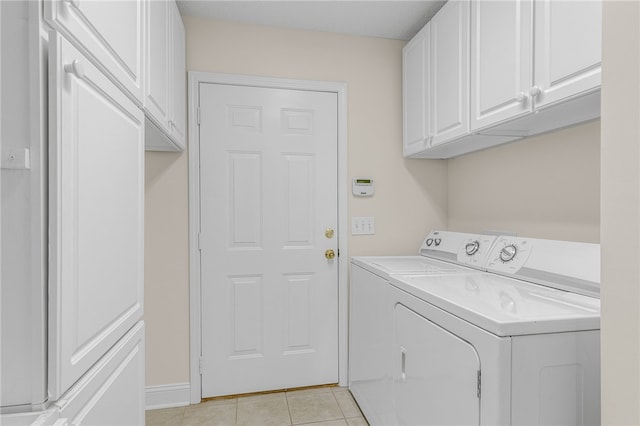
(520, 346)
(371, 315)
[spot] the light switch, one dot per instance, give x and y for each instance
(362, 225)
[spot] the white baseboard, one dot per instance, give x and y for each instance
(167, 396)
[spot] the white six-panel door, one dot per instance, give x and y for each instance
(268, 183)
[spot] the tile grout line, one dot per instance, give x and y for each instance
(339, 406)
(286, 399)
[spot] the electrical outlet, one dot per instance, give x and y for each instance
(362, 225)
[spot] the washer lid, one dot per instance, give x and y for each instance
(387, 265)
(504, 306)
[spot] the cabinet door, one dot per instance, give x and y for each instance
(110, 32)
(178, 122)
(568, 49)
(501, 69)
(157, 84)
(450, 72)
(435, 373)
(96, 201)
(415, 87)
(113, 391)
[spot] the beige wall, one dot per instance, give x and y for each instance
(410, 194)
(166, 268)
(621, 214)
(546, 187)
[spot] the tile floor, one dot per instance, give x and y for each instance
(330, 406)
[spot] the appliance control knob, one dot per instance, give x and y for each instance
(508, 253)
(437, 241)
(472, 248)
(429, 242)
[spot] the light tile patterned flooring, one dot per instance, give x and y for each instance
(328, 406)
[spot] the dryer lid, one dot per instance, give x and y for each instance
(504, 306)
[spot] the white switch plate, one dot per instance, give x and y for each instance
(16, 159)
(362, 225)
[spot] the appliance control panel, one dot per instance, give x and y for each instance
(474, 250)
(465, 249)
(565, 265)
(509, 255)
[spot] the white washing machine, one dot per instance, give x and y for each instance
(518, 346)
(371, 315)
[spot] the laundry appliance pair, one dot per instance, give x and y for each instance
(477, 329)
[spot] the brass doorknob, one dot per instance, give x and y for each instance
(329, 254)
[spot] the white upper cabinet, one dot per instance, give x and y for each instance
(96, 214)
(499, 71)
(568, 49)
(449, 66)
(109, 32)
(165, 85)
(178, 122)
(158, 56)
(415, 86)
(501, 61)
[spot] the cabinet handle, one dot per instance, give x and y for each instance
(73, 3)
(76, 67)
(522, 97)
(535, 91)
(403, 364)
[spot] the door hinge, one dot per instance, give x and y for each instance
(201, 365)
(479, 384)
(198, 115)
(199, 241)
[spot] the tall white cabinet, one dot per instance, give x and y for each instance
(74, 132)
(96, 214)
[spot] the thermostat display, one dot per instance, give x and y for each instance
(362, 187)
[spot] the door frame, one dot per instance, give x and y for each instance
(195, 314)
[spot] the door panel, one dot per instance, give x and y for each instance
(449, 64)
(435, 373)
(110, 30)
(158, 47)
(415, 92)
(268, 178)
(501, 68)
(568, 49)
(96, 215)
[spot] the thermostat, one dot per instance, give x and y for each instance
(362, 187)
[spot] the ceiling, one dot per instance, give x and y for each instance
(398, 19)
